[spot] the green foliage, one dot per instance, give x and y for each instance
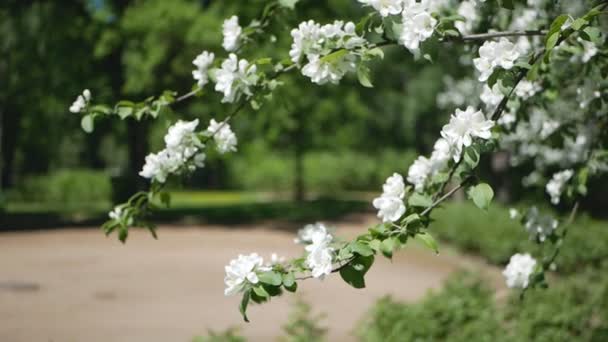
(325, 172)
(463, 311)
(482, 195)
(68, 187)
(575, 309)
(303, 325)
(495, 237)
(228, 335)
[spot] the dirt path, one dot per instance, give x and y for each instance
(76, 285)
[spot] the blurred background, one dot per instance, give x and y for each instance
(314, 153)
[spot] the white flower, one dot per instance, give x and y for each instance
(518, 271)
(493, 54)
(467, 10)
(232, 32)
(589, 50)
(385, 7)
(513, 213)
(222, 134)
(417, 25)
(539, 227)
(548, 127)
(442, 152)
(275, 259)
(182, 146)
(305, 234)
(463, 127)
(390, 205)
(306, 40)
(556, 185)
(240, 271)
(491, 97)
(81, 102)
(419, 172)
(507, 119)
(526, 89)
(202, 63)
(322, 72)
(320, 254)
(236, 77)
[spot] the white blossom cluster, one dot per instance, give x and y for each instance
(555, 187)
(493, 54)
(304, 235)
(183, 148)
(519, 269)
(118, 214)
(202, 63)
(313, 45)
(539, 226)
(223, 136)
(390, 204)
(235, 78)
(232, 34)
(81, 102)
(423, 168)
(468, 10)
(463, 127)
(320, 253)
(417, 23)
(241, 271)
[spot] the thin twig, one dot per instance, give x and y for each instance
(492, 35)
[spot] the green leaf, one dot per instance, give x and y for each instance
(375, 244)
(334, 56)
(271, 278)
(261, 292)
(428, 240)
(244, 303)
(87, 123)
(291, 4)
(508, 4)
(354, 272)
(420, 200)
(124, 112)
(361, 249)
(482, 195)
(165, 198)
(363, 76)
(289, 279)
(471, 157)
(578, 24)
(388, 246)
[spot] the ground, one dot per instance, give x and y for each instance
(77, 285)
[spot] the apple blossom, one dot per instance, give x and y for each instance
(202, 63)
(241, 271)
(232, 33)
(463, 127)
(495, 54)
(518, 271)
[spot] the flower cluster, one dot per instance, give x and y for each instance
(118, 214)
(81, 102)
(223, 136)
(232, 34)
(305, 234)
(183, 148)
(423, 168)
(519, 269)
(326, 50)
(467, 9)
(417, 24)
(320, 253)
(390, 204)
(539, 226)
(556, 185)
(236, 77)
(241, 271)
(495, 54)
(202, 63)
(463, 127)
(385, 7)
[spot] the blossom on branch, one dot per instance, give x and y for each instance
(539, 226)
(390, 204)
(232, 33)
(305, 234)
(463, 127)
(320, 253)
(519, 269)
(385, 7)
(236, 77)
(417, 24)
(202, 63)
(224, 138)
(241, 271)
(81, 101)
(495, 54)
(183, 148)
(556, 185)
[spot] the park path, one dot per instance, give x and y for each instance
(76, 285)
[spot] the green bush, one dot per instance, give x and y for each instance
(496, 237)
(65, 187)
(324, 172)
(575, 309)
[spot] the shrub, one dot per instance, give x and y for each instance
(462, 224)
(65, 187)
(575, 309)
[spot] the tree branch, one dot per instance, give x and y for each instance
(492, 35)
